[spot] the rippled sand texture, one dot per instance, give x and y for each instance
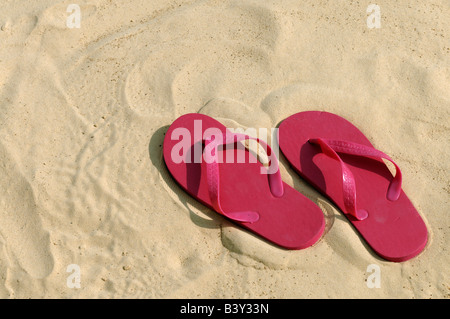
(83, 114)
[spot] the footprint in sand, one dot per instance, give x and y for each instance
(163, 82)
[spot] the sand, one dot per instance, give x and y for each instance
(88, 209)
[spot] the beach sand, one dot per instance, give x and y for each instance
(83, 112)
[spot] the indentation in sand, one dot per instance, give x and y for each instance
(20, 227)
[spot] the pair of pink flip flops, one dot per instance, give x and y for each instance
(329, 152)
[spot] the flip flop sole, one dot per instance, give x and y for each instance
(393, 229)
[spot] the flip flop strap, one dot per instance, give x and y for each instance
(210, 155)
(332, 147)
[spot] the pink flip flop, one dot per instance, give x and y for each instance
(338, 160)
(210, 164)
